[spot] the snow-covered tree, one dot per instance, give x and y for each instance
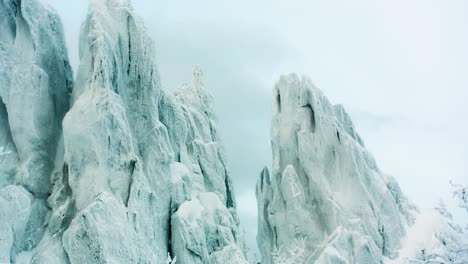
(460, 192)
(442, 209)
(170, 260)
(3, 151)
(294, 254)
(460, 252)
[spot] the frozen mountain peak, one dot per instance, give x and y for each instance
(321, 178)
(195, 94)
(127, 152)
(109, 3)
(197, 77)
(326, 190)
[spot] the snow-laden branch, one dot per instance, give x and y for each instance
(461, 193)
(295, 254)
(3, 151)
(170, 260)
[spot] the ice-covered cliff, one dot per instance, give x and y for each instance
(326, 201)
(35, 83)
(133, 172)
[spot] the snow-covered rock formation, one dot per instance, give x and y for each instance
(132, 173)
(325, 187)
(35, 83)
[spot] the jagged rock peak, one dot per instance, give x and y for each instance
(127, 153)
(159, 154)
(325, 190)
(195, 94)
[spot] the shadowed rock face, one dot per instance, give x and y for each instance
(35, 83)
(115, 181)
(325, 188)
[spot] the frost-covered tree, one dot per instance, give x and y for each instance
(458, 252)
(451, 248)
(460, 192)
(442, 209)
(294, 254)
(3, 151)
(170, 260)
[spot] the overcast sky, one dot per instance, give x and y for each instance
(400, 67)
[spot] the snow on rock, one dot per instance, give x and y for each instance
(88, 238)
(35, 83)
(325, 187)
(433, 238)
(204, 231)
(22, 222)
(149, 150)
(118, 170)
(204, 223)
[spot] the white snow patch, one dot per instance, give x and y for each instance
(421, 235)
(210, 200)
(178, 171)
(191, 210)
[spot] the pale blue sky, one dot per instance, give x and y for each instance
(399, 67)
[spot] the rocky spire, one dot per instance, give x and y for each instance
(197, 77)
(325, 189)
(133, 162)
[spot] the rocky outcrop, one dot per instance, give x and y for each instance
(204, 222)
(35, 83)
(117, 180)
(325, 188)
